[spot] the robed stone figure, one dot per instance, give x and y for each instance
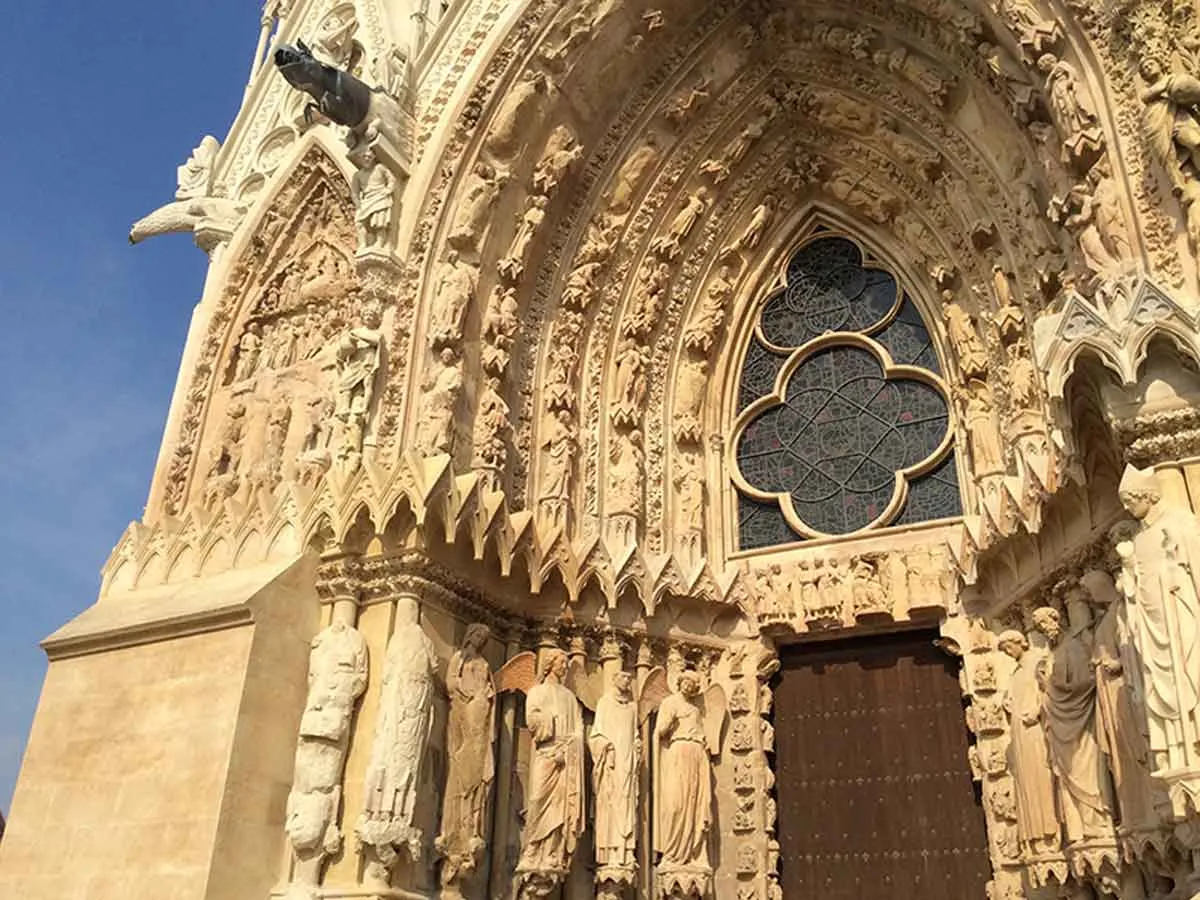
(613, 742)
(471, 762)
(1028, 752)
(401, 738)
(1162, 584)
(687, 731)
(555, 795)
(1069, 712)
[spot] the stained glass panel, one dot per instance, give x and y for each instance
(835, 444)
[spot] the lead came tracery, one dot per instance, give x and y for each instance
(853, 442)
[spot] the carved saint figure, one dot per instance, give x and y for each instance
(1071, 113)
(194, 177)
(1120, 718)
(474, 209)
(983, 429)
(401, 736)
(759, 220)
(695, 206)
(452, 293)
(554, 800)
(249, 350)
(1068, 711)
(630, 389)
(629, 177)
(435, 422)
(683, 785)
(373, 190)
(625, 474)
(972, 358)
(358, 355)
(1022, 378)
(613, 742)
(337, 677)
(519, 111)
(513, 265)
(1164, 618)
(470, 764)
(562, 151)
(1028, 752)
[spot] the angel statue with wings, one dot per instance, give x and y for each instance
(687, 732)
(555, 799)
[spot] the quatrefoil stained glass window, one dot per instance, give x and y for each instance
(842, 423)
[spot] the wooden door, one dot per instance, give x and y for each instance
(875, 794)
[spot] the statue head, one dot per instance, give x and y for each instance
(1099, 586)
(1048, 621)
(553, 663)
(689, 683)
(1046, 62)
(372, 314)
(476, 637)
(1151, 68)
(1012, 643)
(408, 610)
(1139, 491)
(623, 684)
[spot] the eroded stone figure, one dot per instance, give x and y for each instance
(470, 763)
(475, 208)
(1028, 752)
(629, 178)
(1120, 718)
(520, 109)
(683, 791)
(398, 752)
(558, 449)
(455, 286)
(554, 802)
(435, 421)
(373, 189)
(513, 265)
(1068, 712)
(1164, 619)
(695, 206)
(613, 742)
(337, 677)
(983, 428)
(1071, 112)
(964, 338)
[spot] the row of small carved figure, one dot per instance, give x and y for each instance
(687, 732)
(831, 592)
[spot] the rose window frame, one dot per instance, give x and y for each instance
(864, 340)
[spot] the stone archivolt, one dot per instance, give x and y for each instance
(508, 395)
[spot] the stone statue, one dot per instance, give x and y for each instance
(625, 474)
(470, 761)
(513, 265)
(398, 752)
(249, 351)
(554, 799)
(455, 286)
(1082, 221)
(983, 428)
(1173, 128)
(759, 220)
(475, 207)
(1164, 620)
(520, 108)
(691, 385)
(373, 189)
(968, 349)
(1028, 752)
(435, 420)
(1071, 113)
(1120, 717)
(630, 389)
(614, 745)
(559, 448)
(629, 176)
(1068, 713)
(1021, 377)
(687, 731)
(359, 352)
(561, 153)
(194, 177)
(337, 677)
(670, 245)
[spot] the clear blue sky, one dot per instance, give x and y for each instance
(104, 101)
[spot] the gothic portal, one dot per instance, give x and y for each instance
(663, 449)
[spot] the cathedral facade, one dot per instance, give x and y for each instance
(674, 449)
